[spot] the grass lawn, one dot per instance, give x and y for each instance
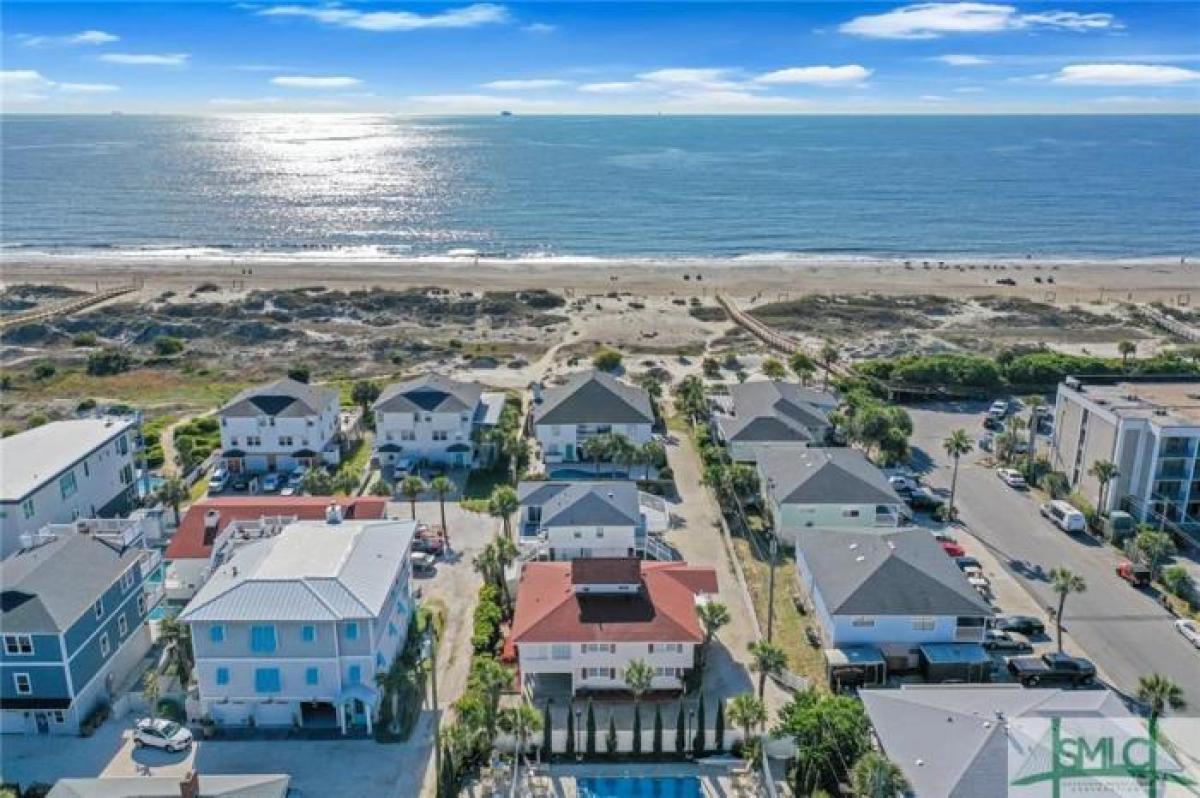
(138, 387)
(359, 457)
(481, 482)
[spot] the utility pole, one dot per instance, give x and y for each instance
(771, 589)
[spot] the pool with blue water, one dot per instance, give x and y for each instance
(626, 787)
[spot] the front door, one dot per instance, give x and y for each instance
(569, 451)
(43, 722)
(458, 460)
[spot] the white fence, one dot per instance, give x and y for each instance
(558, 739)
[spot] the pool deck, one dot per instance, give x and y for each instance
(558, 781)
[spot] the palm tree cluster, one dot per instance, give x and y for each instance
(620, 450)
(492, 562)
(690, 398)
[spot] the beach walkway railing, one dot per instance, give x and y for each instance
(65, 308)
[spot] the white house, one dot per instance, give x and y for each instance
(590, 403)
(279, 427)
(578, 625)
(893, 590)
(809, 488)
(435, 419)
(292, 628)
(764, 411)
(63, 470)
(565, 520)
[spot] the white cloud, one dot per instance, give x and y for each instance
(724, 101)
(933, 98)
(146, 59)
(382, 21)
(83, 37)
(88, 88)
(688, 77)
(1124, 75)
(539, 27)
(23, 79)
(482, 103)
(816, 75)
(933, 20)
(314, 82)
(969, 90)
(963, 60)
(531, 84)
(613, 87)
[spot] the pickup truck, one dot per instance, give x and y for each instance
(1052, 667)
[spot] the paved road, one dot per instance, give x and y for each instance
(1122, 629)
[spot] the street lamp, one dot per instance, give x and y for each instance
(429, 653)
(578, 732)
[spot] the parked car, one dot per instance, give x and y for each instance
(1063, 515)
(1135, 573)
(1012, 477)
(986, 442)
(1021, 624)
(292, 487)
(423, 563)
(953, 549)
(161, 733)
(923, 499)
(218, 480)
(902, 484)
(1004, 643)
(999, 408)
(992, 424)
(1190, 631)
(269, 482)
(240, 481)
(403, 467)
(967, 562)
(1052, 667)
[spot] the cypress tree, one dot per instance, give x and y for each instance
(446, 776)
(610, 740)
(637, 730)
(570, 749)
(698, 741)
(547, 733)
(680, 732)
(656, 740)
(719, 742)
(590, 740)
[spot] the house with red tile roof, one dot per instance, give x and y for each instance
(578, 625)
(190, 552)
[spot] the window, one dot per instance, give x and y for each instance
(672, 673)
(666, 648)
(593, 648)
(355, 674)
(59, 716)
(127, 475)
(122, 625)
(222, 675)
(98, 608)
(392, 630)
(105, 646)
(122, 445)
(312, 676)
(141, 604)
(86, 471)
(308, 633)
(408, 435)
(352, 631)
(599, 673)
(560, 651)
(285, 440)
(924, 624)
(266, 680)
(848, 513)
(18, 645)
(27, 508)
(127, 580)
(216, 633)
(262, 639)
(863, 621)
(440, 435)
(379, 662)
(22, 684)
(67, 485)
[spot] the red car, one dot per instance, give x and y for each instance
(953, 549)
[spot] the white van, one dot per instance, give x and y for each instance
(1064, 516)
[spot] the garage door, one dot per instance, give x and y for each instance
(231, 714)
(12, 721)
(273, 714)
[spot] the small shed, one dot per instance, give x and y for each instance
(955, 662)
(855, 666)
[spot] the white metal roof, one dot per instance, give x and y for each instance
(33, 457)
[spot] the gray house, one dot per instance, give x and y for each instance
(755, 413)
(281, 426)
(588, 404)
(191, 785)
(435, 419)
(566, 520)
(809, 488)
(74, 606)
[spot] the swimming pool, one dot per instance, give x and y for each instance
(623, 787)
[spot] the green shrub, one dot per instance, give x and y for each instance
(43, 370)
(1179, 582)
(108, 361)
(84, 339)
(165, 345)
(607, 360)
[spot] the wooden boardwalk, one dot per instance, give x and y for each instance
(65, 308)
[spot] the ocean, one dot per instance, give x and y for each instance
(753, 189)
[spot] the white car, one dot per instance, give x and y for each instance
(999, 409)
(218, 480)
(161, 733)
(1190, 631)
(1011, 477)
(292, 487)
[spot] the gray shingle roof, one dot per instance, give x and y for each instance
(47, 588)
(765, 411)
(583, 503)
(310, 571)
(803, 475)
(266, 785)
(896, 572)
(952, 740)
(431, 393)
(594, 397)
(286, 398)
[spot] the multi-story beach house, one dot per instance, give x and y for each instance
(1149, 430)
(578, 625)
(827, 488)
(434, 419)
(279, 427)
(292, 626)
(75, 598)
(63, 470)
(588, 404)
(565, 520)
(210, 524)
(765, 412)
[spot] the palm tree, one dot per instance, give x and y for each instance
(1105, 471)
(876, 776)
(151, 690)
(596, 448)
(622, 451)
(443, 486)
(713, 615)
(1154, 547)
(502, 504)
(177, 640)
(653, 453)
(1126, 348)
(690, 397)
(411, 487)
(490, 678)
(956, 445)
(829, 356)
(638, 678)
(1033, 401)
(768, 659)
(487, 563)
(803, 367)
(746, 711)
(173, 492)
(773, 370)
(1159, 694)
(1064, 582)
(519, 721)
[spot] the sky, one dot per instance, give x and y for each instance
(1137, 56)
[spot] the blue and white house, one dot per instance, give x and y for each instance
(74, 603)
(291, 629)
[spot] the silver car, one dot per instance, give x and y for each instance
(161, 733)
